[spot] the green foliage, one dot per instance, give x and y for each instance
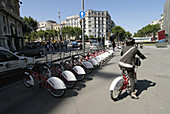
(148, 30)
(29, 25)
(91, 36)
(119, 32)
(67, 31)
(77, 32)
(71, 32)
(128, 34)
(86, 37)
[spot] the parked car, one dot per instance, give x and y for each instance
(11, 64)
(30, 51)
(75, 44)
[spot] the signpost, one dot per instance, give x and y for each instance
(82, 15)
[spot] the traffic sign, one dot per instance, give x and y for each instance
(82, 14)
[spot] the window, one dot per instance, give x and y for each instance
(5, 29)
(6, 56)
(4, 19)
(89, 30)
(89, 25)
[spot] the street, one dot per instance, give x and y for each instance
(92, 95)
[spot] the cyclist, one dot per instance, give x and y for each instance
(127, 61)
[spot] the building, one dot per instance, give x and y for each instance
(155, 22)
(97, 23)
(161, 21)
(11, 35)
(166, 21)
(46, 25)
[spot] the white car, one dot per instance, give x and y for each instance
(11, 64)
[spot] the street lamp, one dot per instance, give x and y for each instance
(60, 24)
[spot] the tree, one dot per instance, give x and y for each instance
(128, 34)
(119, 32)
(86, 37)
(41, 34)
(67, 31)
(29, 25)
(77, 32)
(91, 36)
(149, 30)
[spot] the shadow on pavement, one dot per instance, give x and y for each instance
(143, 85)
(79, 85)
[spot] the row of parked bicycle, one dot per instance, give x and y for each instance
(56, 77)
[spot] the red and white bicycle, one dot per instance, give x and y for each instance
(122, 83)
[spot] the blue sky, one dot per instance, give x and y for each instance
(132, 15)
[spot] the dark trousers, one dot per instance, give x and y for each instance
(131, 75)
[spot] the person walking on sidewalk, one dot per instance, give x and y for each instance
(113, 44)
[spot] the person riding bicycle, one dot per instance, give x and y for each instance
(127, 61)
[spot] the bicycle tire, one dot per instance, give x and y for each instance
(80, 77)
(69, 84)
(89, 70)
(115, 88)
(26, 81)
(46, 72)
(56, 92)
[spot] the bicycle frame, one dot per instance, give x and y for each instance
(126, 81)
(37, 76)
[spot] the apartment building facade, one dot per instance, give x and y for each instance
(97, 23)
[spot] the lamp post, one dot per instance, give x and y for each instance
(60, 24)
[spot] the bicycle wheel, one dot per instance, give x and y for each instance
(46, 72)
(115, 88)
(27, 81)
(80, 77)
(70, 84)
(56, 92)
(89, 70)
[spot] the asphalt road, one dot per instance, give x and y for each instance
(92, 95)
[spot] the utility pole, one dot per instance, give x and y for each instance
(60, 24)
(83, 29)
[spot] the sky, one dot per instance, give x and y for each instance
(132, 15)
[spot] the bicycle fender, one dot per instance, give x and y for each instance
(87, 64)
(79, 70)
(56, 83)
(31, 81)
(117, 83)
(97, 59)
(68, 75)
(94, 62)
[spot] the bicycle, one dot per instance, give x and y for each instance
(66, 76)
(122, 82)
(54, 85)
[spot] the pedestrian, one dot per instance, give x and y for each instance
(61, 45)
(66, 42)
(114, 45)
(127, 61)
